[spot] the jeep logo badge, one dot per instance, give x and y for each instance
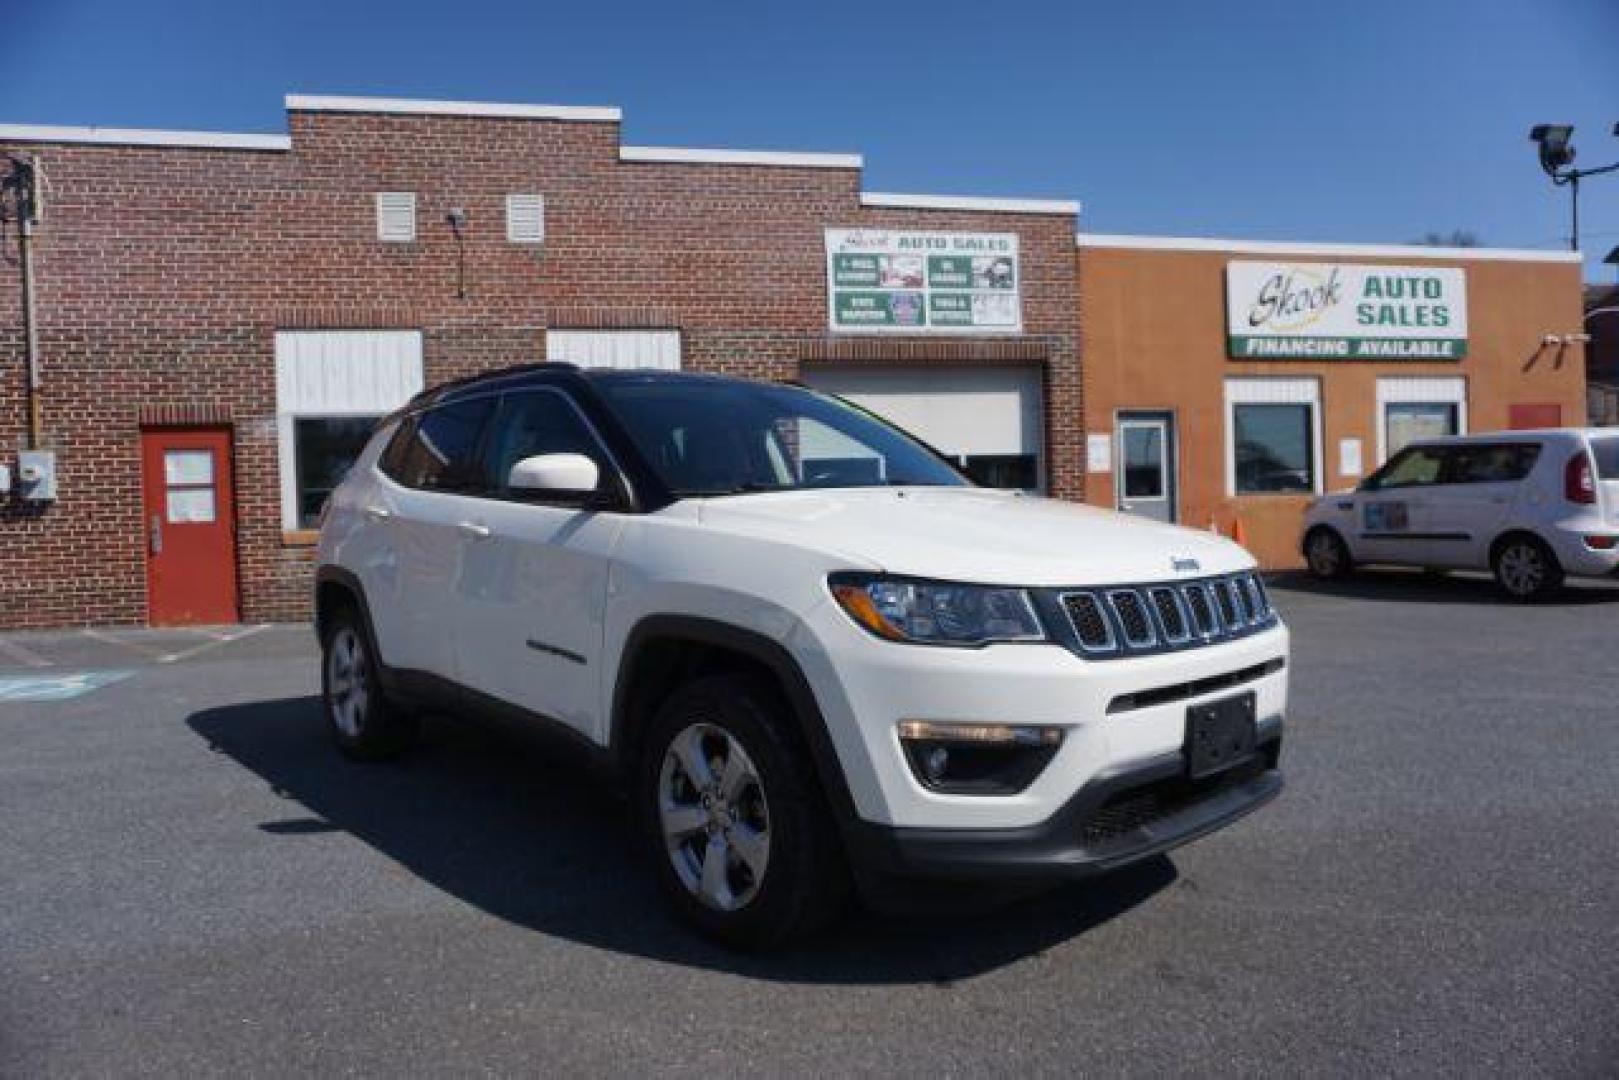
(1181, 565)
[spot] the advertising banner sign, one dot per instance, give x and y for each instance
(898, 282)
(1339, 311)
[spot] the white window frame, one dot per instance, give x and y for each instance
(1263, 390)
(320, 391)
(519, 204)
(1418, 390)
(659, 350)
(389, 202)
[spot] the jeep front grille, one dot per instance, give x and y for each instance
(1134, 619)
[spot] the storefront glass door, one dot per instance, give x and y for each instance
(1145, 480)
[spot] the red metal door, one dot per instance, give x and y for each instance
(190, 523)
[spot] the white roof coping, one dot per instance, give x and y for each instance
(106, 136)
(787, 158)
(969, 202)
(1290, 247)
(414, 107)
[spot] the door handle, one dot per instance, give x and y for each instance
(475, 530)
(378, 513)
(155, 537)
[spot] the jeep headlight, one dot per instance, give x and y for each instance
(937, 612)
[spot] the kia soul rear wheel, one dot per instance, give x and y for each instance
(734, 821)
(1526, 569)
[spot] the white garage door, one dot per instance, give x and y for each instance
(988, 419)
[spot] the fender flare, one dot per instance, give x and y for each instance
(774, 657)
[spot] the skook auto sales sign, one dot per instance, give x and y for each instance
(1337, 311)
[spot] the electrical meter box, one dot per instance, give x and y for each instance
(36, 475)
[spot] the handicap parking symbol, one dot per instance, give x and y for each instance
(63, 687)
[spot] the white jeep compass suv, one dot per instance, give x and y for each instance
(813, 653)
(1530, 506)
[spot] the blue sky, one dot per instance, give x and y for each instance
(1368, 122)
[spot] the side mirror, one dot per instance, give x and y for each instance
(567, 477)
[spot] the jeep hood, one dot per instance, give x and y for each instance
(976, 534)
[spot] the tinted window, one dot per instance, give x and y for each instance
(325, 447)
(718, 438)
(1414, 467)
(537, 422)
(1606, 452)
(1490, 463)
(440, 451)
(1274, 448)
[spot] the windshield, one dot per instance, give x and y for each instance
(726, 438)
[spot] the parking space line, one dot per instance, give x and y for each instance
(216, 641)
(25, 657)
(109, 639)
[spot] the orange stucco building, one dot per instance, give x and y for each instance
(1227, 383)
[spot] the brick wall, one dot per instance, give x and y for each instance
(163, 273)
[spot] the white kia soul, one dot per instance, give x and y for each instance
(1531, 506)
(813, 653)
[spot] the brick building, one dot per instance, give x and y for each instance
(280, 291)
(221, 317)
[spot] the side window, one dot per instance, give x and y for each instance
(1417, 467)
(538, 422)
(1491, 463)
(439, 451)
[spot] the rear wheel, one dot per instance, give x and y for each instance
(1525, 568)
(735, 823)
(1327, 555)
(365, 725)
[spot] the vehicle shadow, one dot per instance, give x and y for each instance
(1419, 587)
(519, 828)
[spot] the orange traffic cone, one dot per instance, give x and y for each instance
(1238, 533)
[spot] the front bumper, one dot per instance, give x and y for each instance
(1111, 822)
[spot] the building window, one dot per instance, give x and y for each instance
(1411, 408)
(1273, 449)
(331, 388)
(525, 219)
(1273, 436)
(396, 216)
(1406, 422)
(324, 447)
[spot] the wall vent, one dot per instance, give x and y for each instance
(396, 216)
(525, 219)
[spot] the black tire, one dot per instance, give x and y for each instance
(366, 727)
(804, 880)
(1326, 554)
(1525, 568)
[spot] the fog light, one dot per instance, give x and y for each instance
(977, 759)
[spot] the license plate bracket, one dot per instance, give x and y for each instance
(1220, 734)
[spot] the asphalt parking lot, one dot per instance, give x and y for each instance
(192, 881)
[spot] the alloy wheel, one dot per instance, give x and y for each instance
(1325, 558)
(1522, 569)
(714, 816)
(347, 692)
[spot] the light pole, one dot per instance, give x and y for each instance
(1557, 159)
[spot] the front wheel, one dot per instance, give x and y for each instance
(734, 819)
(1327, 555)
(1526, 569)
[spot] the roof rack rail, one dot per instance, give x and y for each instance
(493, 373)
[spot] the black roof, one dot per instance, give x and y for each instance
(553, 372)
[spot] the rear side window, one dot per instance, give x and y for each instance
(1491, 463)
(439, 451)
(1606, 452)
